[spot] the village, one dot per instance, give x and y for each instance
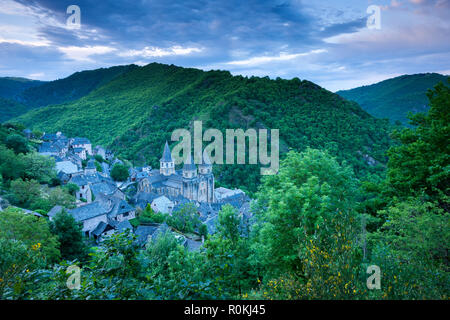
(105, 206)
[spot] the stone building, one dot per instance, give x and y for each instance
(193, 183)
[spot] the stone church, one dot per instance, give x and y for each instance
(193, 183)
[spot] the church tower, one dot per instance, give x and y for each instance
(206, 180)
(190, 179)
(166, 164)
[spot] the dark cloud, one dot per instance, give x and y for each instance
(235, 30)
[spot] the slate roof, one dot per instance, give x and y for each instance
(189, 164)
(66, 167)
(78, 141)
(143, 233)
(100, 228)
(89, 211)
(79, 180)
(206, 210)
(124, 225)
(173, 181)
(54, 211)
(180, 202)
(103, 188)
(142, 199)
(163, 203)
(167, 156)
(63, 176)
(105, 167)
(120, 207)
(48, 147)
(162, 228)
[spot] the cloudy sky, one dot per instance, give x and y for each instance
(325, 41)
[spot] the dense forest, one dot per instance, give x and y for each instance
(136, 112)
(395, 98)
(18, 95)
(12, 88)
(10, 109)
(317, 225)
(10, 92)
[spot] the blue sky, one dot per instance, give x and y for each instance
(326, 42)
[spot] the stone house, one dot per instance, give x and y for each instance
(82, 143)
(162, 204)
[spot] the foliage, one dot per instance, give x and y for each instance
(32, 231)
(316, 227)
(17, 142)
(395, 98)
(310, 188)
(119, 172)
(149, 216)
(421, 163)
(227, 253)
(185, 219)
(16, 261)
(30, 194)
(162, 98)
(411, 249)
(70, 236)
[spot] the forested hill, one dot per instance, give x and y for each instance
(394, 98)
(71, 88)
(138, 110)
(11, 88)
(19, 95)
(10, 91)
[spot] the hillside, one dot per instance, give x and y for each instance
(23, 95)
(10, 109)
(394, 98)
(137, 111)
(11, 88)
(71, 88)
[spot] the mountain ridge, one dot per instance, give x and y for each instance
(394, 98)
(19, 95)
(136, 112)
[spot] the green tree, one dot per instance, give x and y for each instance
(227, 253)
(72, 188)
(18, 143)
(25, 194)
(70, 236)
(309, 188)
(185, 219)
(38, 167)
(32, 231)
(421, 162)
(149, 216)
(411, 249)
(119, 172)
(16, 261)
(59, 196)
(11, 166)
